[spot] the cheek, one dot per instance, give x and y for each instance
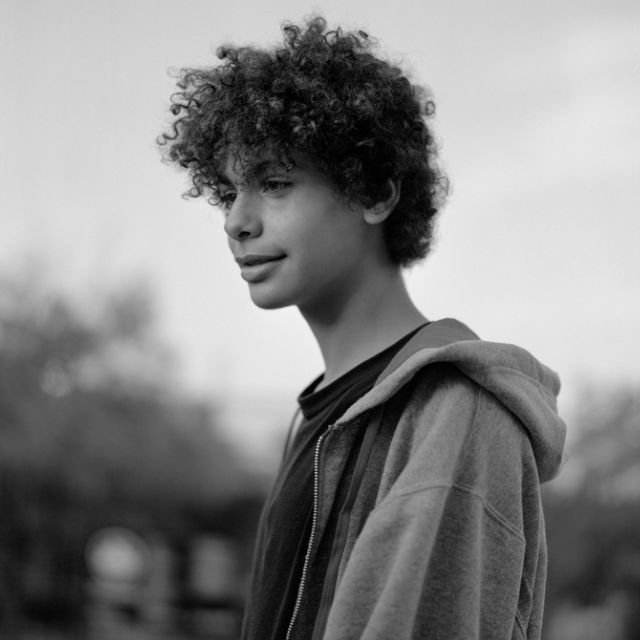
(330, 258)
(324, 248)
(318, 235)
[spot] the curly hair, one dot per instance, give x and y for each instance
(326, 94)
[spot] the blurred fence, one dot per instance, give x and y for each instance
(126, 517)
(124, 513)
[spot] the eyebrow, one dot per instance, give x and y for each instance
(257, 170)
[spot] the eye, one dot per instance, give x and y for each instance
(227, 199)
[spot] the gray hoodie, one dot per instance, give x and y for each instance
(448, 542)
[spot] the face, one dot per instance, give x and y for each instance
(296, 240)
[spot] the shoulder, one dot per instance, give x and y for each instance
(446, 425)
(436, 391)
(455, 438)
(441, 392)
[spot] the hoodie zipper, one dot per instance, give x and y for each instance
(312, 535)
(372, 427)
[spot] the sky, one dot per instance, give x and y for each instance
(537, 118)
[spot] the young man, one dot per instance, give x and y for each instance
(408, 500)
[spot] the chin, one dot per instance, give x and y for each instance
(263, 300)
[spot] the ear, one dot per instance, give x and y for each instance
(380, 211)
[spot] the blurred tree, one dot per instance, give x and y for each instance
(593, 510)
(93, 433)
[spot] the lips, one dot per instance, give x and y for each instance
(256, 268)
(253, 260)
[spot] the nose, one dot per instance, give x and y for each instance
(243, 218)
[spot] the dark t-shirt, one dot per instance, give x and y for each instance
(286, 520)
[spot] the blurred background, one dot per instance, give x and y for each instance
(144, 400)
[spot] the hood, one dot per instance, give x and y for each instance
(525, 386)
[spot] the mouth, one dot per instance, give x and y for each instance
(257, 268)
(256, 260)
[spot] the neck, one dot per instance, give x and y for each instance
(372, 319)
